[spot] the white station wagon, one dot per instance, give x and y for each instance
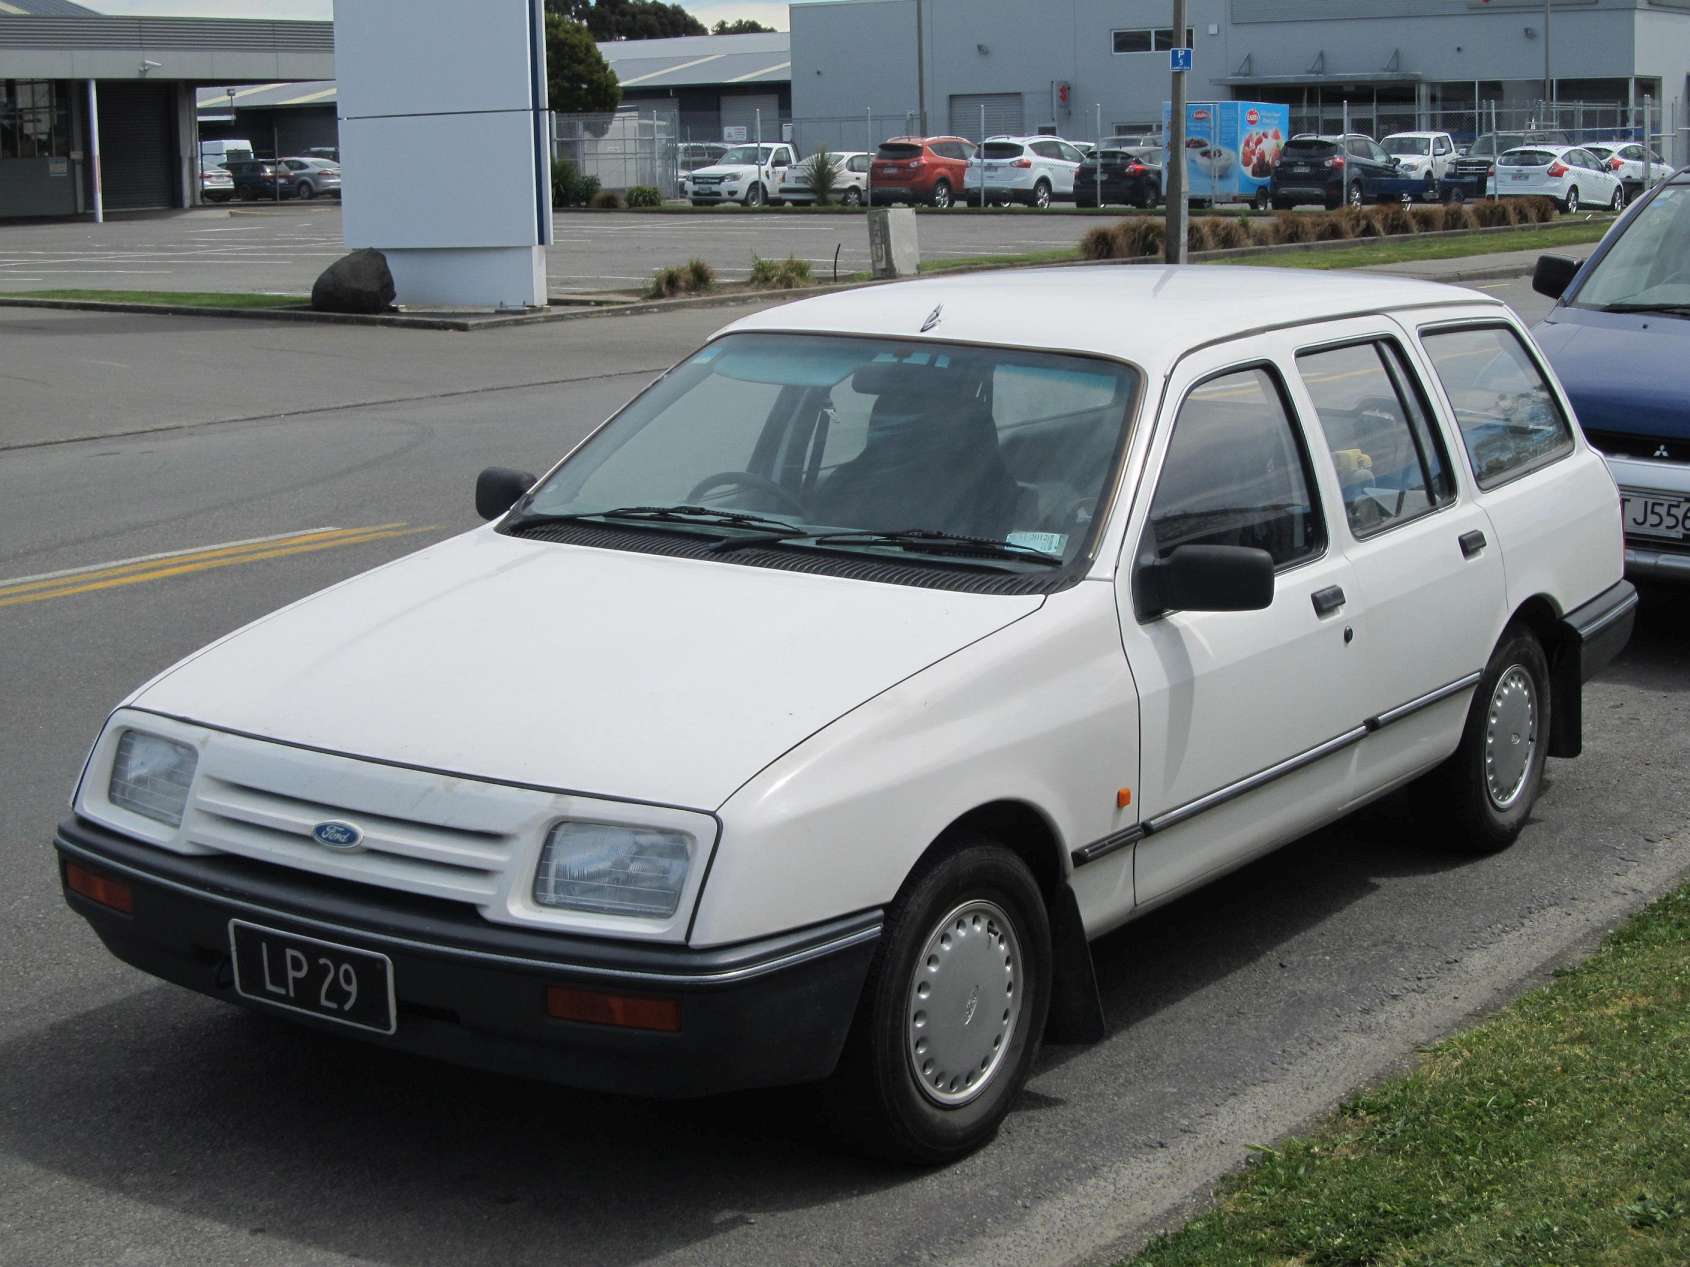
(814, 715)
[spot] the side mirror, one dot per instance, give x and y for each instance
(1205, 578)
(1554, 273)
(497, 490)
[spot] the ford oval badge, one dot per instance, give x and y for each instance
(335, 834)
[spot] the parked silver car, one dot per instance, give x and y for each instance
(313, 176)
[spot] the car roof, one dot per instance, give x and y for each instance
(1090, 308)
(921, 140)
(1425, 134)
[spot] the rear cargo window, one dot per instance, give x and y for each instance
(1002, 149)
(1526, 158)
(1309, 149)
(1509, 418)
(900, 151)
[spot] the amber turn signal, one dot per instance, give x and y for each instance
(630, 1011)
(1123, 798)
(99, 888)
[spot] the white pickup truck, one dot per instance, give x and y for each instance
(747, 174)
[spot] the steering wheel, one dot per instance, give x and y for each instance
(745, 479)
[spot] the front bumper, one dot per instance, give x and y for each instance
(715, 193)
(1653, 558)
(764, 1013)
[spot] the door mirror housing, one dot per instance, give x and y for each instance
(498, 488)
(1205, 578)
(1554, 273)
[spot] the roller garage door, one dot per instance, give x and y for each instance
(137, 145)
(1004, 115)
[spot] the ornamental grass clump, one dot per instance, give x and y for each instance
(787, 274)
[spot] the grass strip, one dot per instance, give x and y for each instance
(176, 298)
(1558, 1132)
(1372, 252)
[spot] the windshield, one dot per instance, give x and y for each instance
(1650, 264)
(746, 156)
(1407, 144)
(829, 434)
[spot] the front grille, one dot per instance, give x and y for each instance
(1623, 444)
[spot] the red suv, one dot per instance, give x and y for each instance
(919, 169)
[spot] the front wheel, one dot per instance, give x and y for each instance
(1487, 789)
(1570, 203)
(1619, 199)
(754, 196)
(1041, 195)
(952, 1016)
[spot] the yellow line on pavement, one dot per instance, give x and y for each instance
(182, 565)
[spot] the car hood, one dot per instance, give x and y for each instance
(605, 672)
(737, 169)
(1625, 372)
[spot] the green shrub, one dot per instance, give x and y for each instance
(644, 196)
(787, 274)
(822, 169)
(699, 276)
(666, 283)
(569, 187)
(1100, 243)
(606, 200)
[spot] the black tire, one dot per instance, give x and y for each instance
(1618, 203)
(1570, 203)
(754, 196)
(853, 197)
(1475, 791)
(1263, 201)
(881, 1099)
(1282, 204)
(1041, 195)
(305, 190)
(697, 203)
(1081, 200)
(1456, 196)
(1354, 197)
(941, 195)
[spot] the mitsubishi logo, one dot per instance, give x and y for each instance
(1660, 450)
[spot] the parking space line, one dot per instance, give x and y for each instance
(103, 576)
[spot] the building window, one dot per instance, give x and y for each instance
(34, 119)
(1150, 39)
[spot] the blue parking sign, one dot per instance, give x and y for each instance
(1179, 58)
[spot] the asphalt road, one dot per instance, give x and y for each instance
(284, 250)
(140, 1124)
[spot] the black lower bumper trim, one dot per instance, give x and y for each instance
(1602, 627)
(763, 1014)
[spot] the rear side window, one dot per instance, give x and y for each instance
(1508, 416)
(1236, 474)
(1387, 458)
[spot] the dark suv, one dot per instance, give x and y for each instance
(1332, 171)
(1474, 170)
(261, 178)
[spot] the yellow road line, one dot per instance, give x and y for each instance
(182, 566)
(56, 580)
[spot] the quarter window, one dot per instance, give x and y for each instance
(1386, 456)
(1508, 416)
(1236, 474)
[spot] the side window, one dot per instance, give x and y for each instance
(1441, 145)
(859, 163)
(1378, 153)
(1356, 146)
(1236, 474)
(1386, 457)
(1509, 418)
(1045, 149)
(1071, 154)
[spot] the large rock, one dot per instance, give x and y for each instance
(359, 282)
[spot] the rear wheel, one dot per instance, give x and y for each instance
(954, 1010)
(1487, 789)
(305, 189)
(1041, 194)
(1354, 197)
(1570, 203)
(1264, 201)
(853, 197)
(942, 195)
(1456, 196)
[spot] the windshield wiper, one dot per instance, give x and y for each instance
(702, 516)
(1671, 310)
(932, 541)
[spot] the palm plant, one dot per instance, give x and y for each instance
(823, 173)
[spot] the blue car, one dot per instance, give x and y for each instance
(1619, 339)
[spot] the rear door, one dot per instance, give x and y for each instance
(1244, 715)
(1427, 571)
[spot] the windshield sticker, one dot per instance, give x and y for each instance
(1049, 542)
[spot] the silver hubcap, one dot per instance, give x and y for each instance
(964, 1003)
(1510, 736)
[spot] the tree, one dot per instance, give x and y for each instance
(742, 26)
(629, 19)
(578, 78)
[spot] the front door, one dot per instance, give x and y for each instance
(1246, 717)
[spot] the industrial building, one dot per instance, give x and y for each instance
(1103, 65)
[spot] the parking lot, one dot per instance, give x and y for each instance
(152, 1126)
(283, 250)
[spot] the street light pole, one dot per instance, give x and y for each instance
(920, 70)
(1173, 247)
(1548, 91)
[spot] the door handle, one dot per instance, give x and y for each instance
(1471, 543)
(1328, 600)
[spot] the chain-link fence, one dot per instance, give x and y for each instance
(622, 150)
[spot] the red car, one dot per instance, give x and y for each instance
(919, 169)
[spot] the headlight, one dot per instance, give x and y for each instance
(613, 870)
(150, 776)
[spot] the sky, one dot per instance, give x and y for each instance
(768, 12)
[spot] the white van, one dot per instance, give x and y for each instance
(215, 153)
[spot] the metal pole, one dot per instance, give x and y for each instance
(758, 116)
(980, 157)
(1647, 152)
(1548, 86)
(920, 68)
(873, 149)
(1099, 154)
(94, 151)
(1178, 214)
(276, 146)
